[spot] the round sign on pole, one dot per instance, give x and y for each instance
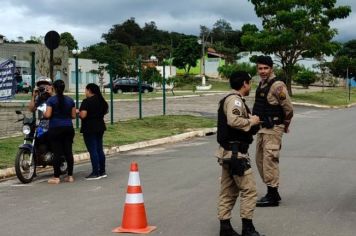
(52, 39)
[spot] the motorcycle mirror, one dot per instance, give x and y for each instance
(19, 120)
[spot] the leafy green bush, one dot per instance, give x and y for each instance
(151, 75)
(226, 70)
(305, 78)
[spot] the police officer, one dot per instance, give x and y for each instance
(235, 129)
(273, 106)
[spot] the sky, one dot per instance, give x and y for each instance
(87, 20)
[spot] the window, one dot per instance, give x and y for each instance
(124, 82)
(72, 77)
(133, 82)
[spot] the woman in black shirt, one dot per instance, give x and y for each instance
(92, 111)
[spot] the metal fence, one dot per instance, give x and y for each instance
(199, 105)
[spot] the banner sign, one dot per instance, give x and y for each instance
(7, 79)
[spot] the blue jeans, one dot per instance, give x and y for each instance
(94, 143)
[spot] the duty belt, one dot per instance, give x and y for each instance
(242, 147)
(269, 122)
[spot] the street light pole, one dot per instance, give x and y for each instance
(140, 86)
(33, 77)
(349, 82)
(111, 98)
(203, 62)
(164, 86)
(202, 41)
(76, 53)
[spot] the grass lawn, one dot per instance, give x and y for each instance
(330, 96)
(120, 133)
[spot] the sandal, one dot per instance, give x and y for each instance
(69, 179)
(54, 181)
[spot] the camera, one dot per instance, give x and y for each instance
(41, 89)
(43, 95)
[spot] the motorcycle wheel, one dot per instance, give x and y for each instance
(25, 166)
(64, 166)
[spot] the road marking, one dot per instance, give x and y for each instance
(21, 185)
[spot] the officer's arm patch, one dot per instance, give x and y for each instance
(280, 93)
(279, 89)
(236, 112)
(238, 103)
(282, 96)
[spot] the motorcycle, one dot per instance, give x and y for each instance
(34, 152)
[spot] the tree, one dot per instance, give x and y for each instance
(68, 40)
(345, 60)
(128, 33)
(305, 78)
(343, 66)
(226, 70)
(116, 56)
(35, 40)
(186, 54)
(348, 49)
(220, 29)
(151, 75)
(223, 39)
(294, 29)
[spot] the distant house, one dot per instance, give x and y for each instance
(21, 53)
(212, 59)
(88, 72)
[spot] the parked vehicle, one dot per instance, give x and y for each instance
(107, 85)
(121, 85)
(130, 85)
(34, 151)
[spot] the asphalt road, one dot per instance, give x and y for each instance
(180, 185)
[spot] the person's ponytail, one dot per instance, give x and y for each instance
(59, 87)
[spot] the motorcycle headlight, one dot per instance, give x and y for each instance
(26, 129)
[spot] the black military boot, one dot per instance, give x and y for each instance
(272, 198)
(226, 229)
(248, 229)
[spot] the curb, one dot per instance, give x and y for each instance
(322, 106)
(83, 157)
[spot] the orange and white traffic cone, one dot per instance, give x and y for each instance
(134, 217)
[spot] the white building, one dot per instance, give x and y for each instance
(87, 73)
(170, 71)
